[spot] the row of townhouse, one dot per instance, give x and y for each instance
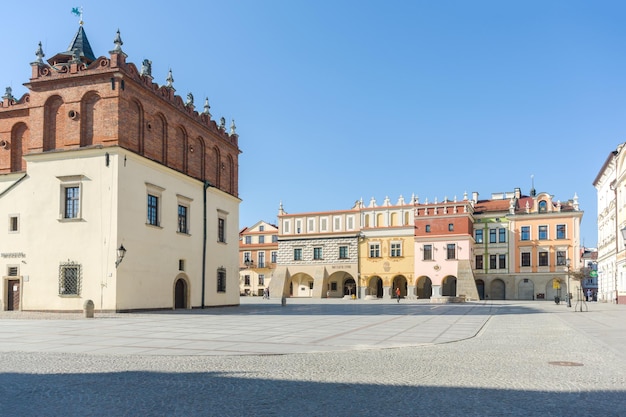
(511, 246)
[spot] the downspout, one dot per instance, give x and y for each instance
(207, 184)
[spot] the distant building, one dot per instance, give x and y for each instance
(511, 246)
(610, 184)
(258, 254)
(589, 272)
(97, 158)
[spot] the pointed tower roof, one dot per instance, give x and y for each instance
(79, 46)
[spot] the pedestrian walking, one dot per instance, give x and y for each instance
(589, 294)
(398, 294)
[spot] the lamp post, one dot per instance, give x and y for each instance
(569, 293)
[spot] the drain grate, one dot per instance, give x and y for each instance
(565, 363)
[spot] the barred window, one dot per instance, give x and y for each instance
(70, 278)
(221, 280)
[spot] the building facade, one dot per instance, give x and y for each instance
(610, 184)
(317, 254)
(511, 246)
(114, 189)
(258, 255)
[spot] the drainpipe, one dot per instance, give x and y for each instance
(207, 184)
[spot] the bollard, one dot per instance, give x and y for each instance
(283, 301)
(88, 308)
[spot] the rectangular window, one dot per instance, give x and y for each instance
(69, 279)
(525, 258)
(311, 225)
(502, 261)
(543, 258)
(561, 258)
(343, 252)
(181, 264)
(182, 219)
(492, 235)
(14, 223)
(450, 227)
(333, 286)
(396, 250)
(479, 262)
(502, 235)
(492, 261)
(374, 250)
(12, 271)
(297, 254)
(427, 228)
(261, 228)
(221, 280)
(478, 236)
(248, 240)
(221, 230)
(274, 238)
(153, 210)
(246, 280)
(261, 279)
(317, 253)
(451, 251)
(428, 252)
(525, 233)
(543, 232)
(72, 202)
(247, 257)
(261, 239)
(261, 256)
(560, 231)
(274, 256)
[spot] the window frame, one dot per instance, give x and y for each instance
(479, 235)
(502, 235)
(479, 262)
(525, 233)
(14, 223)
(493, 262)
(75, 288)
(502, 261)
(374, 250)
(561, 231)
(428, 252)
(395, 249)
(221, 280)
(525, 259)
(543, 258)
(493, 235)
(297, 254)
(344, 252)
(451, 251)
(542, 230)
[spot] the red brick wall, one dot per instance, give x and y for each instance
(109, 103)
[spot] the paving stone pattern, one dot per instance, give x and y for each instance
(319, 358)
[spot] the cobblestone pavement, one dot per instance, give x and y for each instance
(525, 359)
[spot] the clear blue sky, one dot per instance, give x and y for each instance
(340, 100)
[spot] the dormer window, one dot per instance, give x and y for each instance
(543, 206)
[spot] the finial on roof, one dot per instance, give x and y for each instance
(169, 80)
(8, 95)
(39, 53)
(207, 107)
(233, 128)
(222, 123)
(189, 99)
(533, 193)
(118, 43)
(75, 56)
(146, 68)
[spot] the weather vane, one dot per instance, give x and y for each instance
(78, 11)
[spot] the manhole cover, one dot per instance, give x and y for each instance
(565, 363)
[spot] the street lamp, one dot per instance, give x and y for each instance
(121, 252)
(569, 294)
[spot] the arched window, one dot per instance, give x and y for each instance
(543, 206)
